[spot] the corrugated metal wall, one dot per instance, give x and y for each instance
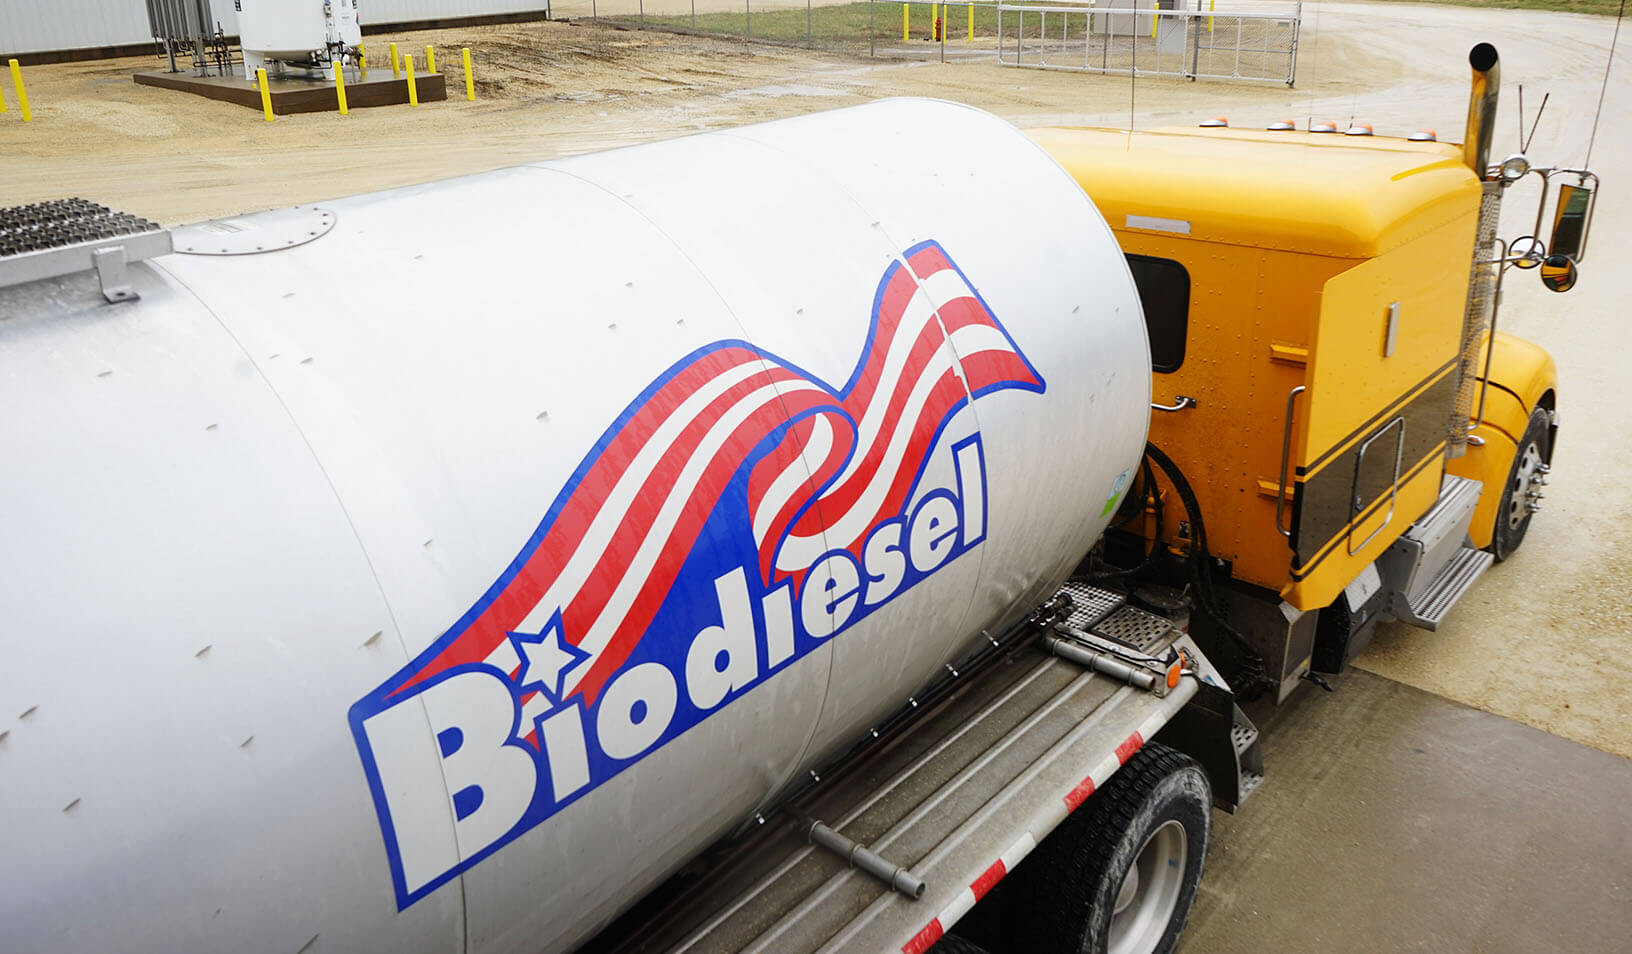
(33, 26)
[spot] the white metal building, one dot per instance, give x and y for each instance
(36, 26)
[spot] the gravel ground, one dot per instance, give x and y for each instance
(1544, 637)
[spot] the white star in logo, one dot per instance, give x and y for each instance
(545, 658)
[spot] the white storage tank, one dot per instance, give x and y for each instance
(305, 34)
(453, 564)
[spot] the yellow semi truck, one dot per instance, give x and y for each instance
(1346, 437)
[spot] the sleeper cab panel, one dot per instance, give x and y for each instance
(1378, 406)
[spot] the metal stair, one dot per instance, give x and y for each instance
(1454, 579)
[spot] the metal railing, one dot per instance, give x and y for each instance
(1104, 36)
(918, 29)
(1115, 37)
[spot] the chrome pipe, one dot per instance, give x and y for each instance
(1104, 663)
(859, 856)
(1487, 82)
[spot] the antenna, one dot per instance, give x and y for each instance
(1133, 84)
(1605, 88)
(1525, 146)
(1314, 64)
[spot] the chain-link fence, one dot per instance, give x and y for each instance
(1118, 37)
(1106, 36)
(866, 27)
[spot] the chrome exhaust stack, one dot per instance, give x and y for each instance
(1487, 82)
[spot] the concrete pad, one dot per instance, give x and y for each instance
(1392, 819)
(302, 95)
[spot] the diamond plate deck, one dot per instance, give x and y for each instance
(1090, 604)
(1143, 631)
(63, 222)
(64, 236)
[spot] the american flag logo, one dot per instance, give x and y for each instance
(733, 443)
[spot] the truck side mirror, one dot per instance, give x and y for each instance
(1558, 272)
(1571, 216)
(1527, 252)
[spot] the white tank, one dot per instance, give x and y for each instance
(455, 576)
(292, 30)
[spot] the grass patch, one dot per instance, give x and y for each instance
(1606, 8)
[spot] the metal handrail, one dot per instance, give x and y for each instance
(1286, 452)
(1393, 487)
(1130, 11)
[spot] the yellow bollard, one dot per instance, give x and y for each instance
(266, 94)
(971, 37)
(22, 91)
(430, 60)
(470, 80)
(1210, 19)
(934, 19)
(396, 63)
(340, 88)
(904, 34)
(362, 62)
(413, 91)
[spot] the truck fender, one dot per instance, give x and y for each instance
(1523, 377)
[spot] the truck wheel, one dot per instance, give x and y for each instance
(1513, 519)
(1120, 875)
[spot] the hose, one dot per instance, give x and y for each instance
(1255, 675)
(1148, 488)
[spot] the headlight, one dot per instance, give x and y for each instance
(1515, 167)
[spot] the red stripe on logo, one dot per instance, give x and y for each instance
(988, 878)
(1128, 747)
(922, 941)
(1078, 795)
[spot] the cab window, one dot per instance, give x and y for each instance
(1164, 291)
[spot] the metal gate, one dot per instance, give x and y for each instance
(1117, 37)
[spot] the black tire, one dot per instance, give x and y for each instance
(952, 944)
(1513, 516)
(1066, 902)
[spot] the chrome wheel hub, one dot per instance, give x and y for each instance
(1525, 496)
(1149, 893)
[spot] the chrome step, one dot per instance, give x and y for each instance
(1244, 737)
(1249, 758)
(1450, 585)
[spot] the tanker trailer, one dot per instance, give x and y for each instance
(449, 566)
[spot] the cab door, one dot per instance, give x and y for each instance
(1372, 417)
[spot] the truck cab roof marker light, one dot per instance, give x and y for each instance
(1284, 125)
(1358, 129)
(1424, 135)
(1215, 123)
(1323, 127)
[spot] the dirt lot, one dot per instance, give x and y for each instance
(1545, 637)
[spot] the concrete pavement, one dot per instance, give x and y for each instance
(1399, 820)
